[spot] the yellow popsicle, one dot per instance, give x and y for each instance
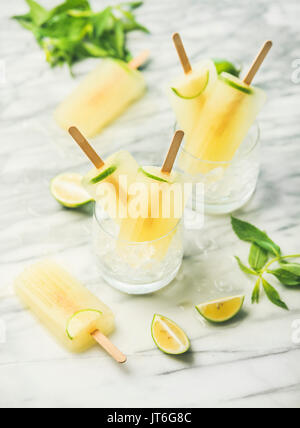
(63, 305)
(225, 120)
(101, 97)
(189, 93)
(109, 185)
(164, 197)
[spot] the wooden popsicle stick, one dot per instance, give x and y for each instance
(258, 62)
(171, 156)
(109, 347)
(86, 147)
(182, 53)
(140, 60)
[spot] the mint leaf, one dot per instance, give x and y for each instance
(288, 274)
(26, 22)
(119, 39)
(273, 295)
(38, 13)
(95, 50)
(130, 23)
(256, 292)
(258, 257)
(102, 22)
(79, 5)
(133, 4)
(249, 233)
(244, 268)
(293, 268)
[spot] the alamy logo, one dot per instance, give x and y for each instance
(155, 201)
(296, 332)
(2, 332)
(296, 72)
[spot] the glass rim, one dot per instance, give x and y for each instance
(220, 163)
(134, 243)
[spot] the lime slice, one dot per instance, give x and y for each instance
(106, 173)
(168, 337)
(68, 191)
(222, 65)
(190, 92)
(153, 177)
(74, 323)
(236, 83)
(221, 310)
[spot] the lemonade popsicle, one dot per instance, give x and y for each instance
(63, 305)
(163, 194)
(189, 92)
(225, 120)
(109, 181)
(101, 97)
(109, 184)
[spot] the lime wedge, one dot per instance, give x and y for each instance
(236, 83)
(75, 321)
(222, 65)
(68, 191)
(168, 336)
(153, 177)
(221, 310)
(106, 173)
(190, 92)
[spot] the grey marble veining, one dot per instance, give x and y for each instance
(250, 362)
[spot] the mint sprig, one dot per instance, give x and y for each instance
(249, 233)
(72, 31)
(262, 249)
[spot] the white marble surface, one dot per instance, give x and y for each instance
(252, 361)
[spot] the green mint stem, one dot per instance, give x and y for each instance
(277, 259)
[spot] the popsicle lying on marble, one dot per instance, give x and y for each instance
(102, 96)
(66, 308)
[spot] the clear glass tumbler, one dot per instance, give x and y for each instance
(135, 267)
(227, 185)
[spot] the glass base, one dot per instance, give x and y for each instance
(220, 209)
(140, 288)
(227, 186)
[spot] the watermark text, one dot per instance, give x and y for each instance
(296, 72)
(141, 200)
(296, 332)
